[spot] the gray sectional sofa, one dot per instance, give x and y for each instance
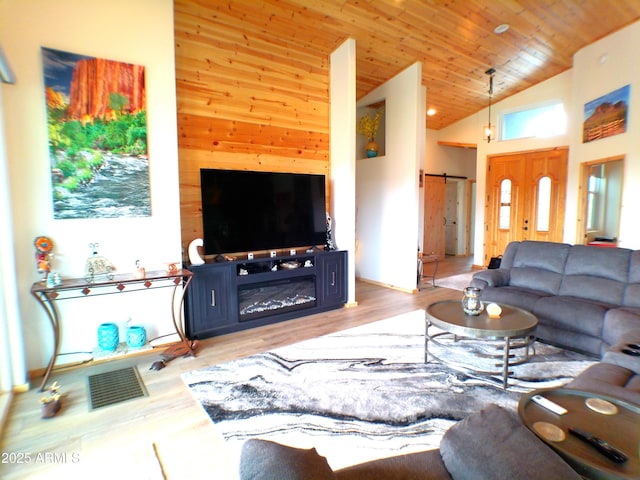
(489, 445)
(586, 298)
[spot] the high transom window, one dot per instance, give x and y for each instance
(545, 120)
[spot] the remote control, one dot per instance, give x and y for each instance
(599, 444)
(549, 405)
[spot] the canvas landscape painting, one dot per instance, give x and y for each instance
(96, 116)
(606, 116)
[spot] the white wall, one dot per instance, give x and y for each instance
(456, 161)
(586, 81)
(13, 374)
(591, 80)
(343, 163)
(470, 130)
(387, 197)
(139, 32)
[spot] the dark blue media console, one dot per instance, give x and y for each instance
(230, 296)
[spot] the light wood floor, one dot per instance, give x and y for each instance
(167, 434)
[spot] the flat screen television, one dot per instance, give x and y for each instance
(247, 211)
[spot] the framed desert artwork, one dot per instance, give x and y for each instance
(606, 116)
(97, 130)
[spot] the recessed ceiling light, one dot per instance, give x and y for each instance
(501, 28)
(431, 112)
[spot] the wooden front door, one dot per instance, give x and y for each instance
(435, 193)
(525, 198)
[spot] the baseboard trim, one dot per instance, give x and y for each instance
(387, 285)
(23, 388)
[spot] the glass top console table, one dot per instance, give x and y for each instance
(48, 296)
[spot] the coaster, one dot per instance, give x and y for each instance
(549, 431)
(601, 406)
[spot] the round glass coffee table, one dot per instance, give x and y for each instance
(512, 332)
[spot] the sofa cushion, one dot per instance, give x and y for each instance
(621, 359)
(632, 292)
(494, 444)
(598, 274)
(609, 379)
(579, 342)
(610, 263)
(536, 279)
(631, 296)
(574, 314)
(498, 277)
(634, 267)
(626, 354)
(544, 255)
(411, 466)
(593, 288)
(265, 460)
(515, 296)
(619, 321)
(539, 266)
(509, 255)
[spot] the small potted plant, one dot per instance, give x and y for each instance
(51, 403)
(368, 126)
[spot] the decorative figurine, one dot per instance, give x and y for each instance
(140, 271)
(51, 404)
(329, 245)
(171, 267)
(97, 265)
(494, 310)
(194, 254)
(44, 255)
(53, 279)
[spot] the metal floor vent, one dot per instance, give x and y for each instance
(116, 386)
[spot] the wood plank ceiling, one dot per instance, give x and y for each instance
(454, 40)
(252, 76)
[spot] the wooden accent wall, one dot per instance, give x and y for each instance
(244, 101)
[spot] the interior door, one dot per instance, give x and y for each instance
(525, 198)
(434, 215)
(451, 219)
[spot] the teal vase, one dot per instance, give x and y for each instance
(371, 149)
(136, 336)
(108, 337)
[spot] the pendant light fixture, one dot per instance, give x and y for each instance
(490, 130)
